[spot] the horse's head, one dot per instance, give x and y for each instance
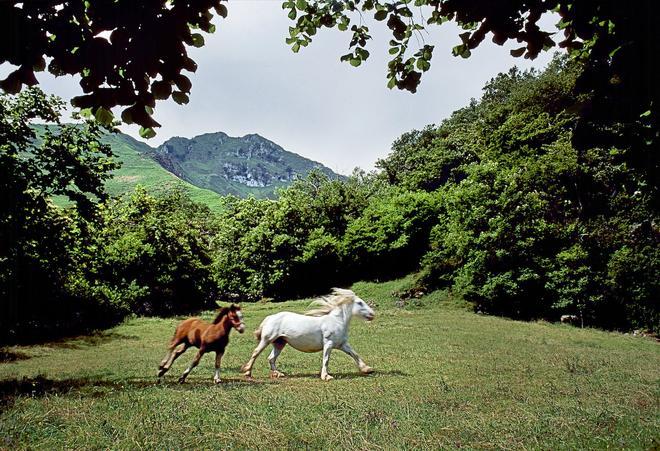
(362, 309)
(236, 317)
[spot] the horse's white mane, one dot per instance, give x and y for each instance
(326, 304)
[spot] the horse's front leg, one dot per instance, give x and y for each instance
(218, 358)
(193, 364)
(327, 347)
(363, 367)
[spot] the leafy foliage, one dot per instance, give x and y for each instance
(152, 254)
(531, 226)
(144, 53)
(39, 245)
(290, 246)
(126, 53)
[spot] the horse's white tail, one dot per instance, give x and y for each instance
(257, 333)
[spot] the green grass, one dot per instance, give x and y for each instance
(445, 378)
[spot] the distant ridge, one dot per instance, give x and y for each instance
(245, 165)
(208, 166)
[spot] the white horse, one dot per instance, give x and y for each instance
(324, 327)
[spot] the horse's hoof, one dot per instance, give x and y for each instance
(276, 374)
(217, 381)
(327, 377)
(182, 380)
(366, 370)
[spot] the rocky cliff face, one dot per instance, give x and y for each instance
(229, 165)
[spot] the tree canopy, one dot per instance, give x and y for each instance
(131, 54)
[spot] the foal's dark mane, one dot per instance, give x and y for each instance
(221, 314)
(224, 311)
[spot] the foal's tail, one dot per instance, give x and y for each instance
(257, 333)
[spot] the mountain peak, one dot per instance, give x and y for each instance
(250, 164)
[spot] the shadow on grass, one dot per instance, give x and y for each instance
(95, 339)
(37, 387)
(352, 375)
(7, 356)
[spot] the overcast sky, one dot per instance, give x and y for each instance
(249, 81)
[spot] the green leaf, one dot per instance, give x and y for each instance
(197, 40)
(104, 116)
(292, 14)
(296, 47)
(380, 15)
(183, 83)
(423, 65)
(127, 116)
(40, 65)
(518, 52)
(161, 89)
(221, 10)
(180, 97)
(301, 4)
(394, 50)
(147, 133)
(355, 62)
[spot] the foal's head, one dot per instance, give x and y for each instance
(234, 316)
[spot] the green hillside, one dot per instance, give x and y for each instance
(138, 167)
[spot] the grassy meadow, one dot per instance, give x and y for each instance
(445, 378)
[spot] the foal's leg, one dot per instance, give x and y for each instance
(173, 354)
(278, 345)
(218, 358)
(363, 367)
(193, 364)
(247, 368)
(327, 347)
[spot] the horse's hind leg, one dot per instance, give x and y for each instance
(363, 367)
(247, 368)
(193, 364)
(278, 345)
(174, 352)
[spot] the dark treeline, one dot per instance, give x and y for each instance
(494, 204)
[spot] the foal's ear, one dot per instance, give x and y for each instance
(234, 307)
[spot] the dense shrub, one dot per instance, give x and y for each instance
(41, 245)
(532, 227)
(291, 246)
(153, 254)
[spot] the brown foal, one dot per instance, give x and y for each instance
(207, 337)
